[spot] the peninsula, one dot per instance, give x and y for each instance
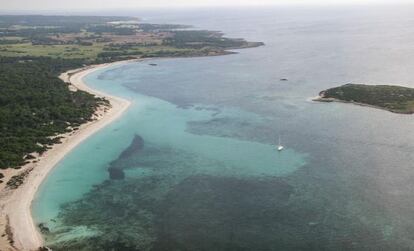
(397, 99)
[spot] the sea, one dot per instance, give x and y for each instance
(193, 164)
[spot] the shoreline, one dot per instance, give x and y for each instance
(17, 213)
(322, 99)
(15, 204)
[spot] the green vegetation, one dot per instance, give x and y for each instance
(396, 99)
(205, 39)
(104, 39)
(53, 51)
(17, 180)
(36, 106)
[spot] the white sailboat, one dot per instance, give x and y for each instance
(280, 147)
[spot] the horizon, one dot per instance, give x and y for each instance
(91, 5)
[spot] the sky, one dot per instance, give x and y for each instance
(10, 5)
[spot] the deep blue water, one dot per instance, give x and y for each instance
(197, 148)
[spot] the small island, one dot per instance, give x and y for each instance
(397, 99)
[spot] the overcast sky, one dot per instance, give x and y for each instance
(125, 4)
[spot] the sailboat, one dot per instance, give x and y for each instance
(280, 147)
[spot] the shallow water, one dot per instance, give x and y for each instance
(205, 174)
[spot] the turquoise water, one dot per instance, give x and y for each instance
(195, 155)
(162, 125)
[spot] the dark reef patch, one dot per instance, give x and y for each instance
(116, 174)
(232, 127)
(205, 212)
(136, 146)
(116, 168)
(219, 213)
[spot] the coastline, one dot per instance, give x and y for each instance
(330, 100)
(16, 219)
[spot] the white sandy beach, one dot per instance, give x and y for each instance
(15, 205)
